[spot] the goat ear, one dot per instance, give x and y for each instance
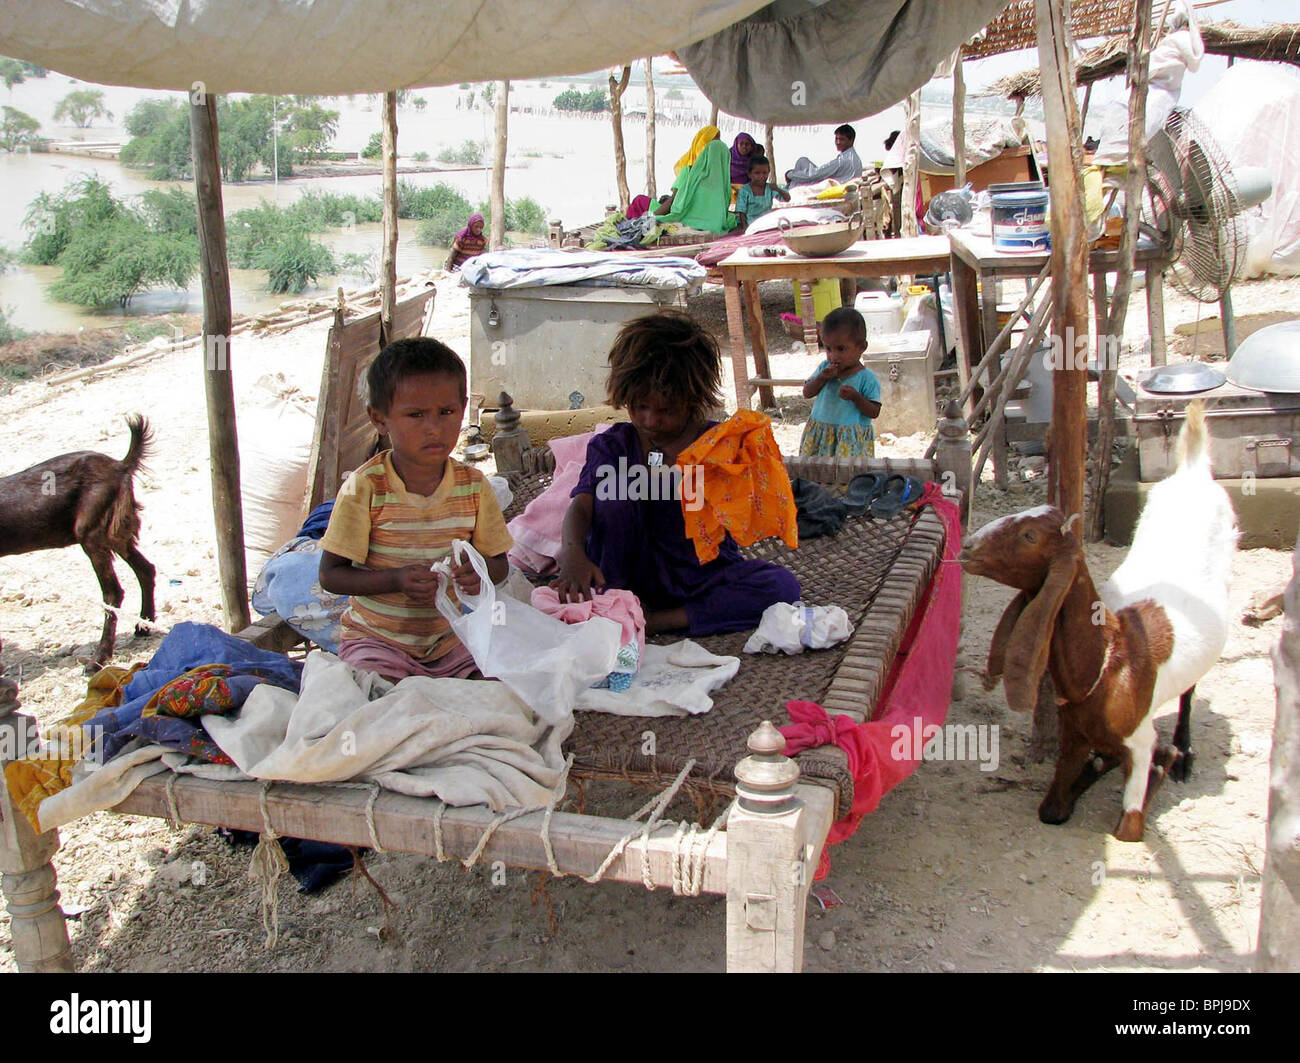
(1001, 636)
(1027, 648)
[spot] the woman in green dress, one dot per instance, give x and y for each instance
(702, 193)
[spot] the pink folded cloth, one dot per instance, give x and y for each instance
(623, 607)
(537, 530)
(373, 655)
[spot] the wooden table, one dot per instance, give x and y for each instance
(975, 261)
(741, 272)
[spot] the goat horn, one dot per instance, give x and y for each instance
(1069, 522)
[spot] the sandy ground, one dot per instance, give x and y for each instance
(954, 872)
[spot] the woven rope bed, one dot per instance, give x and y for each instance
(875, 570)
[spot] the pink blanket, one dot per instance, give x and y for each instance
(536, 531)
(916, 695)
(623, 607)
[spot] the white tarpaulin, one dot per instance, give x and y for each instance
(1253, 111)
(801, 62)
(331, 47)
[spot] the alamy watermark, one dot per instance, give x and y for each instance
(952, 741)
(625, 482)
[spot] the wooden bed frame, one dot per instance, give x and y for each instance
(763, 862)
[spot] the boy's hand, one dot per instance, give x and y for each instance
(419, 584)
(466, 579)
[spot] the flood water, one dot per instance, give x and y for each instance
(564, 163)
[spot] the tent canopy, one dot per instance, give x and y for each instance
(333, 47)
(793, 62)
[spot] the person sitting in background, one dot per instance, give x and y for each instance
(743, 148)
(755, 198)
(846, 166)
(701, 194)
(467, 243)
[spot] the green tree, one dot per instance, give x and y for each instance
(568, 100)
(419, 103)
(374, 146)
(82, 106)
(292, 259)
(470, 153)
(16, 129)
(311, 128)
(12, 73)
(107, 250)
(160, 139)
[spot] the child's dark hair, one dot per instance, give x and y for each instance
(848, 131)
(757, 160)
(845, 319)
(410, 357)
(668, 355)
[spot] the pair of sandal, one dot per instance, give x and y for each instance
(881, 495)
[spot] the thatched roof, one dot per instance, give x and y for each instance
(1277, 43)
(1014, 28)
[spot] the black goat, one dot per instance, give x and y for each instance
(85, 498)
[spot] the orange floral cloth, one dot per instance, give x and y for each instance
(745, 486)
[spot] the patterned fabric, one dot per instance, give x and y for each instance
(289, 585)
(837, 440)
(746, 489)
(377, 523)
(32, 779)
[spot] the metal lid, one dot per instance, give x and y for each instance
(1183, 378)
(1269, 360)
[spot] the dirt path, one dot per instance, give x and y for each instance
(954, 872)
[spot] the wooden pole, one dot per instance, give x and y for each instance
(652, 189)
(218, 384)
(616, 90)
(713, 115)
(1110, 341)
(769, 145)
(497, 238)
(958, 124)
(1067, 434)
(388, 267)
(911, 164)
(1279, 910)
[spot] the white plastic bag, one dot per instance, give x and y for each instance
(545, 661)
(787, 628)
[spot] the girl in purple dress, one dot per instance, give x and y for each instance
(624, 527)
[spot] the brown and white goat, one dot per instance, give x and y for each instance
(1116, 657)
(84, 498)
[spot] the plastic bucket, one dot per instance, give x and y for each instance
(883, 313)
(1020, 221)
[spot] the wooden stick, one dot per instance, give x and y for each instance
(989, 434)
(911, 164)
(388, 267)
(616, 90)
(993, 392)
(1067, 434)
(958, 124)
(1109, 342)
(769, 145)
(497, 195)
(650, 186)
(218, 376)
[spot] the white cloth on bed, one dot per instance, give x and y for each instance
(674, 680)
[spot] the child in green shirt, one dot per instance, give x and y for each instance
(755, 199)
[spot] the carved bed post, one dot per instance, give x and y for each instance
(40, 936)
(773, 839)
(952, 457)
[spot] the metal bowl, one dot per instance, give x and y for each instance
(821, 241)
(1269, 360)
(1183, 378)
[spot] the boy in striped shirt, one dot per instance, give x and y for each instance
(398, 514)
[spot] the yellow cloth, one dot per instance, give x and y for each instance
(32, 779)
(834, 192)
(701, 141)
(746, 488)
